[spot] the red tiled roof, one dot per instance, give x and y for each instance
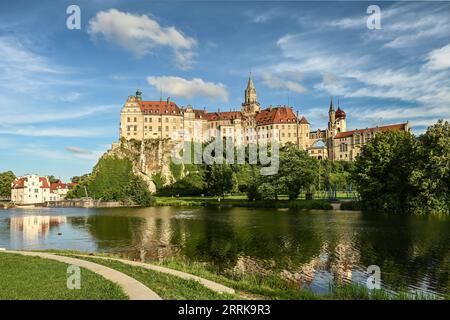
(159, 107)
(276, 115)
(19, 183)
(44, 182)
(303, 120)
(200, 114)
(228, 115)
(58, 185)
(400, 126)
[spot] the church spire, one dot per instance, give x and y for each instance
(331, 104)
(250, 104)
(250, 84)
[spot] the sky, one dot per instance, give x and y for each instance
(61, 90)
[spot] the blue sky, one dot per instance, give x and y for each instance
(61, 90)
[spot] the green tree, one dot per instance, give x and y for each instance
(431, 175)
(297, 171)
(6, 178)
(113, 180)
(53, 179)
(383, 169)
(219, 179)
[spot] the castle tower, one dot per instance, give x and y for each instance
(331, 116)
(340, 122)
(251, 105)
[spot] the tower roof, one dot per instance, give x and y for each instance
(331, 104)
(340, 113)
(250, 84)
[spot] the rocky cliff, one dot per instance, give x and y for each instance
(151, 159)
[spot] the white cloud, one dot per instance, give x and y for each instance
(439, 59)
(183, 88)
(278, 82)
(140, 34)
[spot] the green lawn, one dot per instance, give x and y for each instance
(166, 286)
(35, 278)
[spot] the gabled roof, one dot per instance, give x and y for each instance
(200, 114)
(58, 185)
(44, 182)
(228, 115)
(400, 126)
(303, 120)
(159, 107)
(19, 183)
(275, 115)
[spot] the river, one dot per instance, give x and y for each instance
(311, 248)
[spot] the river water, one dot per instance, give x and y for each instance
(310, 248)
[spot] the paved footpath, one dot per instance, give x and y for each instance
(132, 288)
(214, 286)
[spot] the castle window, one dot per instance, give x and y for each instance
(128, 119)
(135, 119)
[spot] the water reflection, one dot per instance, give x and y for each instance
(28, 229)
(307, 248)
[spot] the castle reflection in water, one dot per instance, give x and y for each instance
(30, 228)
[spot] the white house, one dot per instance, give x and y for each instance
(30, 189)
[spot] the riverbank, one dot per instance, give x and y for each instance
(249, 286)
(158, 201)
(242, 202)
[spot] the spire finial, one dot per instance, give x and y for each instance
(138, 94)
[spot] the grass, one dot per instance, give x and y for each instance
(249, 286)
(240, 201)
(35, 278)
(167, 286)
(272, 286)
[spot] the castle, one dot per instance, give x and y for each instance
(142, 120)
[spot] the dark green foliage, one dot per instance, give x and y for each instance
(351, 205)
(176, 170)
(191, 185)
(78, 179)
(397, 172)
(113, 180)
(218, 179)
(431, 175)
(6, 178)
(382, 171)
(52, 179)
(297, 172)
(159, 180)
